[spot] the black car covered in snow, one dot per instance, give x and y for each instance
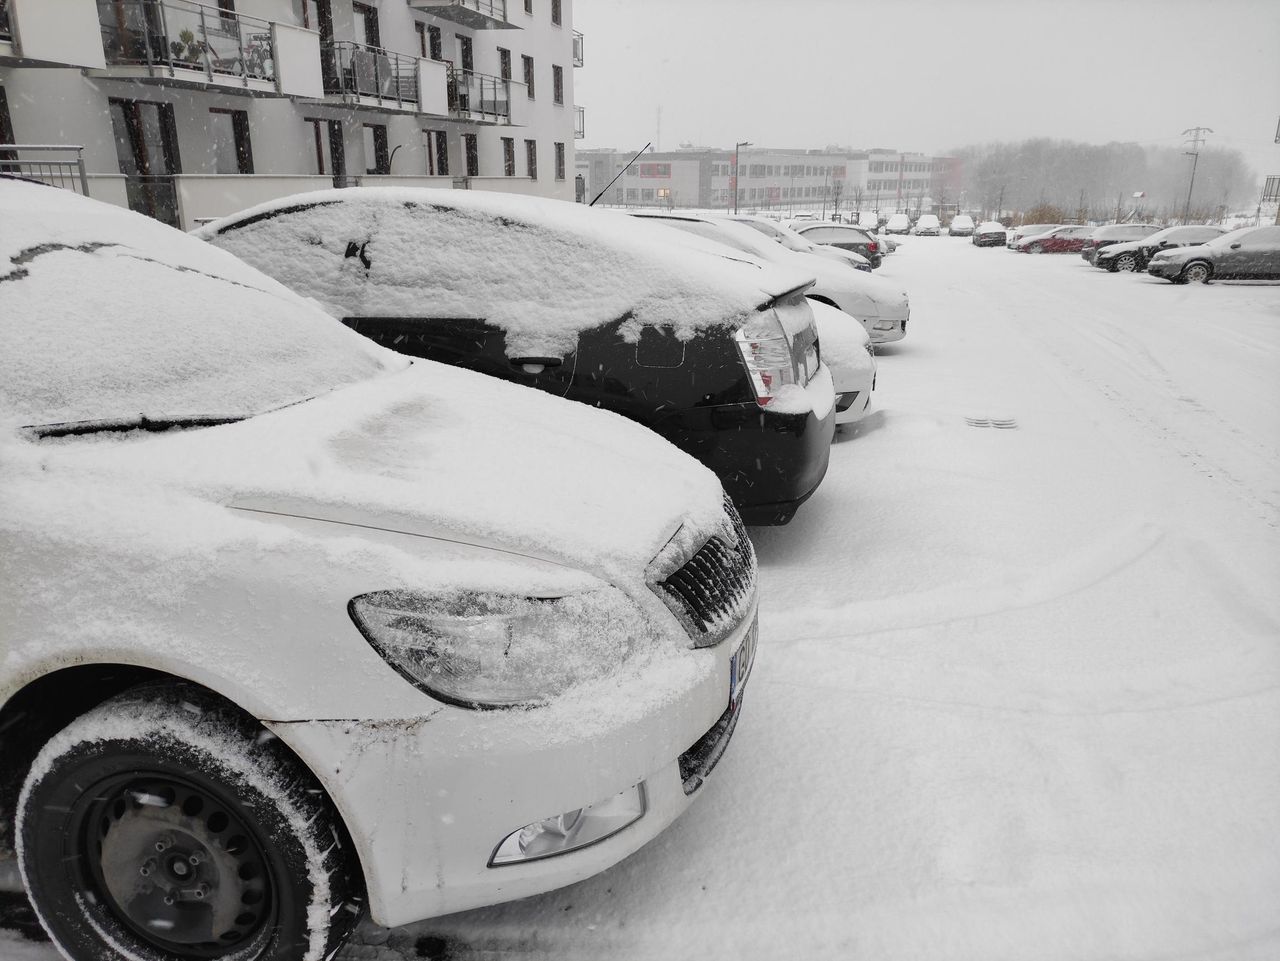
(718, 355)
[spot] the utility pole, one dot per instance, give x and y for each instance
(1197, 138)
(737, 172)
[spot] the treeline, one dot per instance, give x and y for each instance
(1092, 181)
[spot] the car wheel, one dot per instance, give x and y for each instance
(1036, 249)
(1196, 272)
(1126, 262)
(165, 825)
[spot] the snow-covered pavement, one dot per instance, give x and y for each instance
(1017, 690)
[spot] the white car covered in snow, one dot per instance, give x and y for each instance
(883, 308)
(291, 626)
(847, 350)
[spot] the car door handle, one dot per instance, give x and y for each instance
(1235, 246)
(536, 365)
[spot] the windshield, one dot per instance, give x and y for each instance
(788, 238)
(1229, 238)
(721, 234)
(115, 318)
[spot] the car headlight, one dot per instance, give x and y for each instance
(484, 650)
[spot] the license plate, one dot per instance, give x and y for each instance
(740, 663)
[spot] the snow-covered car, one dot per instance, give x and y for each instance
(927, 226)
(1104, 237)
(883, 308)
(1028, 230)
(961, 226)
(582, 303)
(1060, 240)
(847, 350)
(843, 236)
(1135, 254)
(897, 224)
(794, 241)
(293, 627)
(1250, 253)
(990, 233)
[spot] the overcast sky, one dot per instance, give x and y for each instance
(930, 75)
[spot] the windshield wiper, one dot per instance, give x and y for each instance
(124, 424)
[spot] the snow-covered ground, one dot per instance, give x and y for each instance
(1018, 689)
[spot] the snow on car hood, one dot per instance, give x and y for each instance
(441, 452)
(541, 270)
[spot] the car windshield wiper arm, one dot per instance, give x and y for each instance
(124, 424)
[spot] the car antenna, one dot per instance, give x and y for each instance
(620, 173)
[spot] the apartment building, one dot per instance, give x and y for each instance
(772, 179)
(192, 110)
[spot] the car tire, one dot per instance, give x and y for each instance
(1125, 262)
(1196, 272)
(1036, 249)
(164, 824)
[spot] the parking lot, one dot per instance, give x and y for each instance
(1016, 694)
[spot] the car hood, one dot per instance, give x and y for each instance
(1128, 247)
(439, 452)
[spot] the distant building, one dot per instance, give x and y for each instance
(188, 111)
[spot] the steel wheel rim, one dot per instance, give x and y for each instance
(1197, 273)
(175, 865)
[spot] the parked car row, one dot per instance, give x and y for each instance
(311, 610)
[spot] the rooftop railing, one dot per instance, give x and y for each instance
(181, 35)
(356, 70)
(479, 95)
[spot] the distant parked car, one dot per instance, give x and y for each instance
(794, 242)
(868, 221)
(961, 226)
(898, 224)
(927, 226)
(882, 307)
(1114, 234)
(844, 236)
(1135, 254)
(586, 304)
(989, 234)
(1250, 253)
(1029, 230)
(1063, 240)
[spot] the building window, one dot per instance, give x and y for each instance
(528, 74)
(230, 132)
(559, 161)
(508, 157)
(465, 53)
(531, 158)
(375, 149)
(555, 11)
(437, 153)
(632, 194)
(504, 63)
(557, 84)
(471, 147)
(528, 7)
(366, 25)
(435, 46)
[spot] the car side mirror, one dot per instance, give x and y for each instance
(1235, 246)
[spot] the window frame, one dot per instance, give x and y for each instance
(527, 62)
(508, 156)
(241, 140)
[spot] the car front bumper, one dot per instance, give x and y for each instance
(1168, 269)
(428, 800)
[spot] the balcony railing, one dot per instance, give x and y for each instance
(57, 165)
(353, 70)
(577, 48)
(179, 35)
(479, 96)
(579, 123)
(477, 14)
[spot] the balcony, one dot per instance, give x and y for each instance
(182, 43)
(59, 165)
(476, 14)
(479, 97)
(579, 123)
(376, 79)
(37, 33)
(577, 48)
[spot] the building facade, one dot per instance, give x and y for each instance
(188, 111)
(788, 181)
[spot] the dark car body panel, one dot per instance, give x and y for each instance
(1250, 255)
(1143, 250)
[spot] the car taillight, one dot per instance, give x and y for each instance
(872, 247)
(766, 352)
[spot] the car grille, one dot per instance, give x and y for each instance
(710, 591)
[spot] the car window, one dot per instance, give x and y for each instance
(834, 234)
(711, 232)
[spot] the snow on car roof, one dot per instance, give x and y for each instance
(160, 324)
(542, 270)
